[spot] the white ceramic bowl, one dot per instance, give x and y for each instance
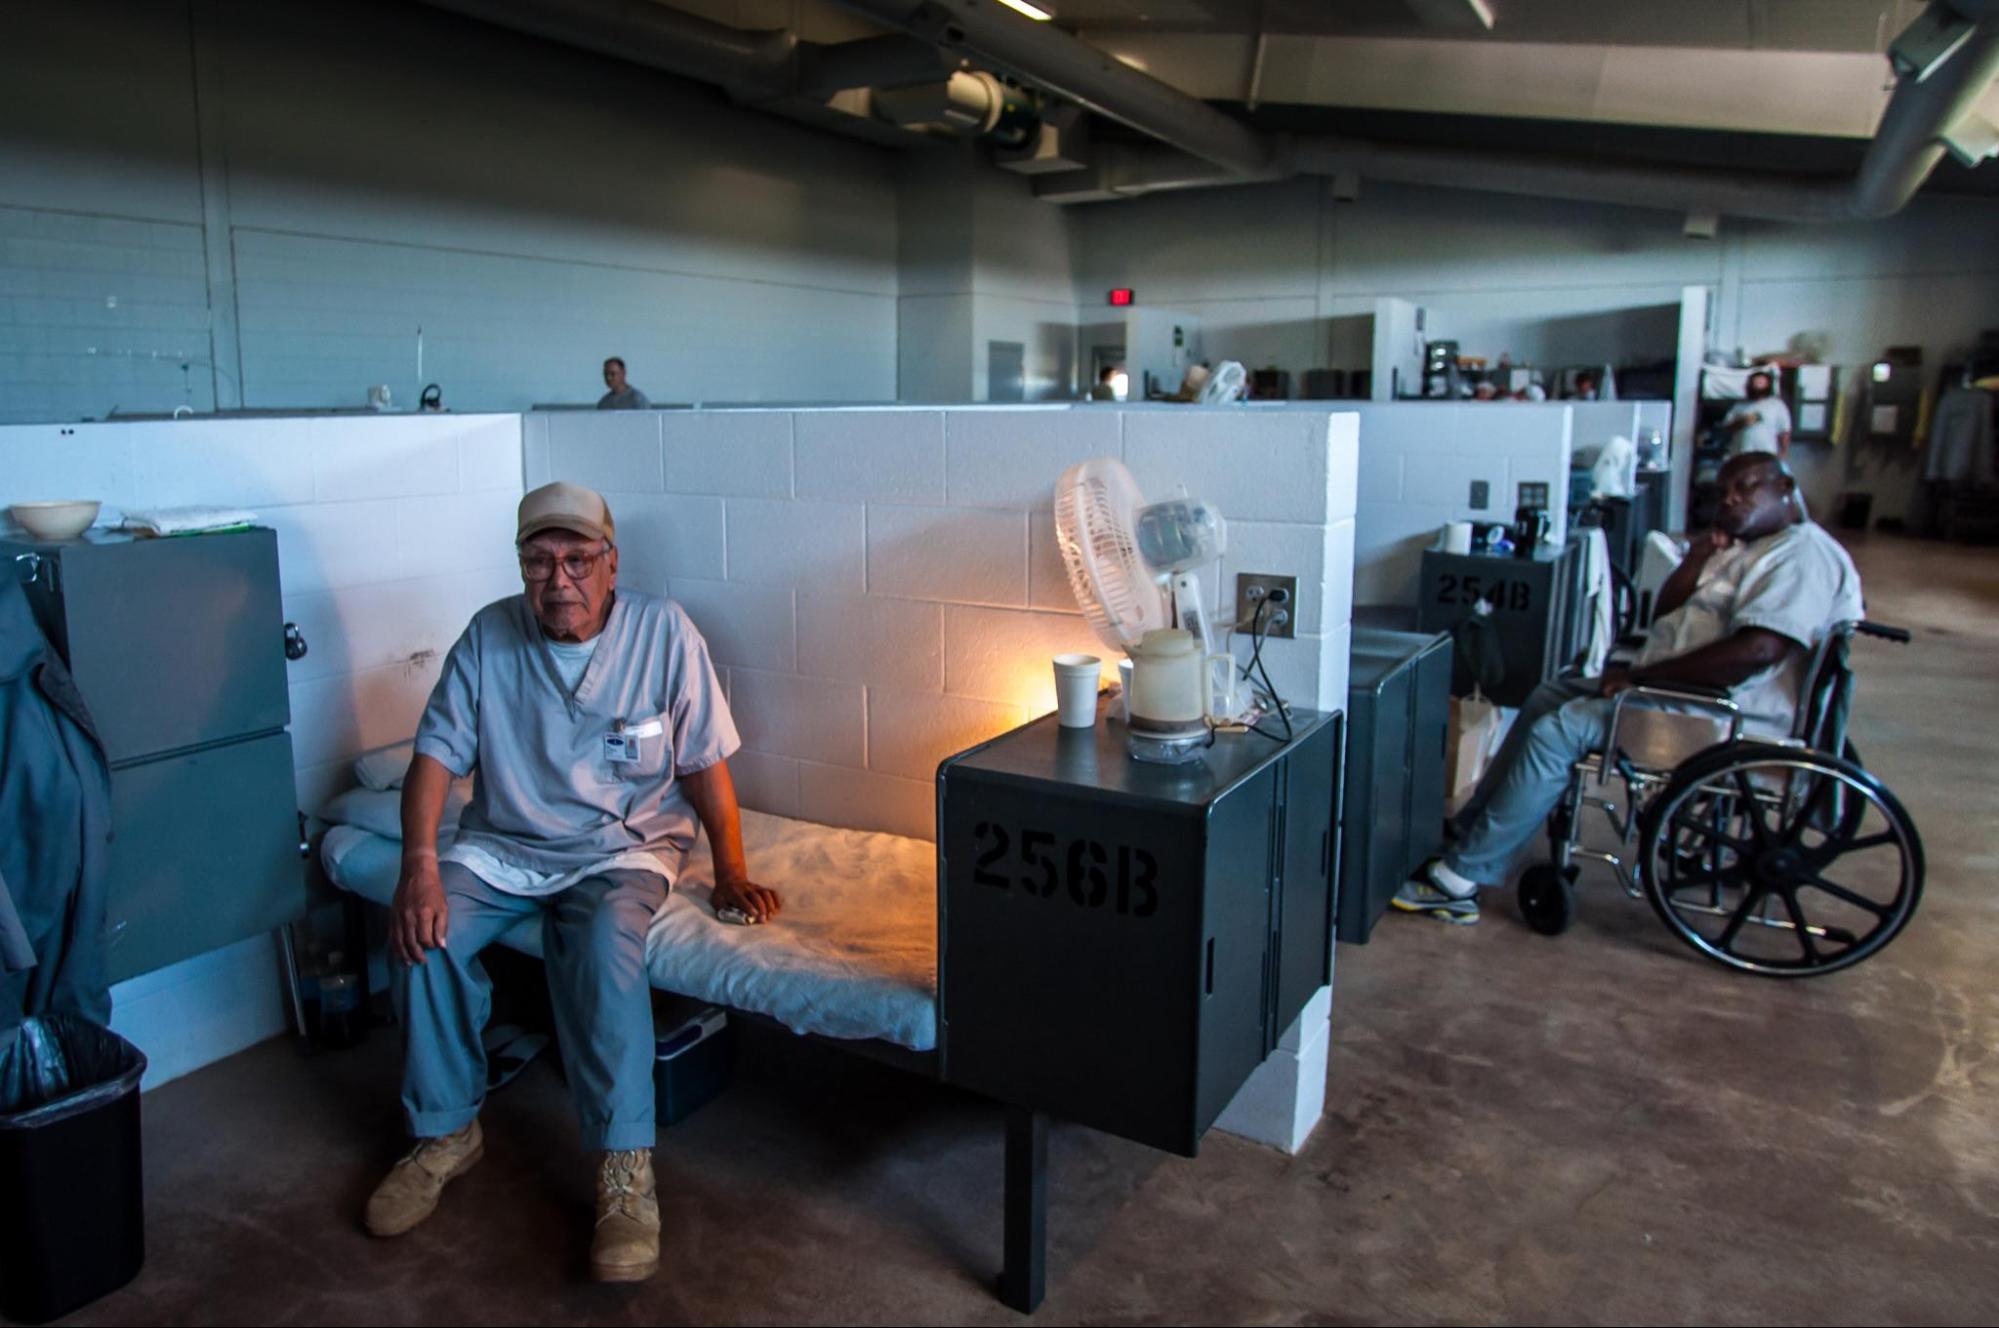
(54, 521)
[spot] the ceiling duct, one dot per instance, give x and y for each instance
(1049, 58)
(1209, 148)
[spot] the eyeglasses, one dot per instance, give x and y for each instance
(575, 565)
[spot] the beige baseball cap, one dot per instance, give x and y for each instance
(561, 506)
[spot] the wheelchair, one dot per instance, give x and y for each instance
(1779, 857)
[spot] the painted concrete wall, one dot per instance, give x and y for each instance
(289, 191)
(1417, 463)
(882, 587)
(981, 261)
(392, 532)
(1275, 271)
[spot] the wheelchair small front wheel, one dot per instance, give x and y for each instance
(1780, 861)
(1547, 899)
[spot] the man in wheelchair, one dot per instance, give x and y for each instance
(1741, 613)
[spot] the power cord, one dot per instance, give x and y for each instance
(1269, 689)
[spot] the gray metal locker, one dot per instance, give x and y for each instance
(1122, 944)
(1398, 720)
(178, 647)
(1532, 608)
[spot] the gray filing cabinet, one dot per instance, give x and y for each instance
(178, 647)
(1398, 723)
(1122, 943)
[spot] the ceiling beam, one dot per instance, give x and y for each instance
(1453, 14)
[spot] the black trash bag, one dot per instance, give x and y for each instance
(1481, 662)
(56, 1066)
(72, 1175)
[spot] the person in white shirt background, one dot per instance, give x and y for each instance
(1760, 422)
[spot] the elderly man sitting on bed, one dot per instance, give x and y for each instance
(599, 733)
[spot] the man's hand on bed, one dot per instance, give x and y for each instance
(418, 914)
(759, 901)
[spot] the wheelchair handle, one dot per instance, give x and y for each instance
(1899, 635)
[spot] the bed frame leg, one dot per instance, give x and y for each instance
(1024, 1275)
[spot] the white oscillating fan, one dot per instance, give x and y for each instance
(1133, 566)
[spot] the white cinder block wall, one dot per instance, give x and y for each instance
(1418, 461)
(881, 587)
(392, 532)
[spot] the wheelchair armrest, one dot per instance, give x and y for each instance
(1690, 691)
(1697, 695)
(1899, 635)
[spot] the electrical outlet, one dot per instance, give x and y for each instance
(1253, 588)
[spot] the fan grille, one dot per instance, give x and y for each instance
(1095, 506)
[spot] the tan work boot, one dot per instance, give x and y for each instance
(626, 1246)
(408, 1194)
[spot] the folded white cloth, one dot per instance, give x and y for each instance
(188, 520)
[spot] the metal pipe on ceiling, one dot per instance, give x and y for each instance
(1908, 143)
(1906, 147)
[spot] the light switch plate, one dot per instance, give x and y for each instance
(1252, 588)
(1481, 495)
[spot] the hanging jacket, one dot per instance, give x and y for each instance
(55, 829)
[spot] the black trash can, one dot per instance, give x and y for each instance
(72, 1198)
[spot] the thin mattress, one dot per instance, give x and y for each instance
(853, 954)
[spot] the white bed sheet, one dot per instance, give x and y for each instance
(853, 954)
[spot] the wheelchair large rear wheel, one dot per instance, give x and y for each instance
(1781, 861)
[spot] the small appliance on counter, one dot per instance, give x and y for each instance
(1136, 570)
(1172, 699)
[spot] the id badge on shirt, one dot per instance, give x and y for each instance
(621, 744)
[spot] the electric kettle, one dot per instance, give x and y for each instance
(1172, 696)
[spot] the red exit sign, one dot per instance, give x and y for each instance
(1121, 297)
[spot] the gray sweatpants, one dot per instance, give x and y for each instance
(593, 943)
(1561, 721)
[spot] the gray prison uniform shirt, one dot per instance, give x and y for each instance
(629, 399)
(1797, 582)
(548, 801)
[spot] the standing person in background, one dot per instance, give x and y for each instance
(1760, 422)
(622, 396)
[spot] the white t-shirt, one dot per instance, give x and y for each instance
(572, 658)
(1773, 417)
(1797, 582)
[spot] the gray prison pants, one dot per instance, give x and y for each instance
(593, 943)
(1561, 721)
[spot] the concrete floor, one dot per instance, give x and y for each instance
(1600, 1128)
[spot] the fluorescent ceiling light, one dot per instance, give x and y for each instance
(1035, 12)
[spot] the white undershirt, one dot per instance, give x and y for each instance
(572, 658)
